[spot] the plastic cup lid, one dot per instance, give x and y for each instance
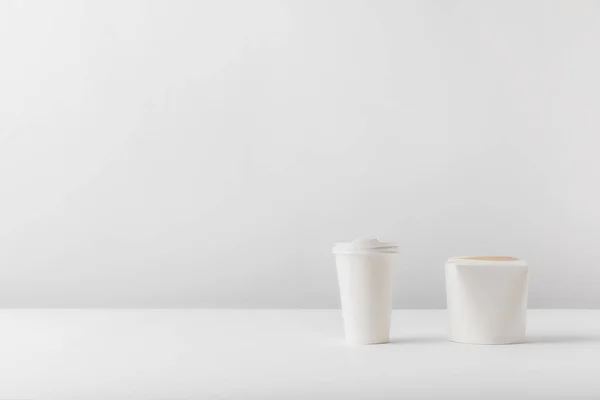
(365, 245)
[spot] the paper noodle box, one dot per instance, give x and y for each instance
(487, 299)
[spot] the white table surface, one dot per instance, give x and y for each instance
(286, 354)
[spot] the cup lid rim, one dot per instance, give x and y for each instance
(365, 245)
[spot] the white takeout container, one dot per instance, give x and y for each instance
(487, 299)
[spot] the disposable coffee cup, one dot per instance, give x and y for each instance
(365, 269)
(487, 299)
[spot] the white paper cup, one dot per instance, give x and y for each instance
(365, 268)
(487, 299)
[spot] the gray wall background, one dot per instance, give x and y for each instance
(209, 153)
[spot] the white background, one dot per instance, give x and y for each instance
(209, 153)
